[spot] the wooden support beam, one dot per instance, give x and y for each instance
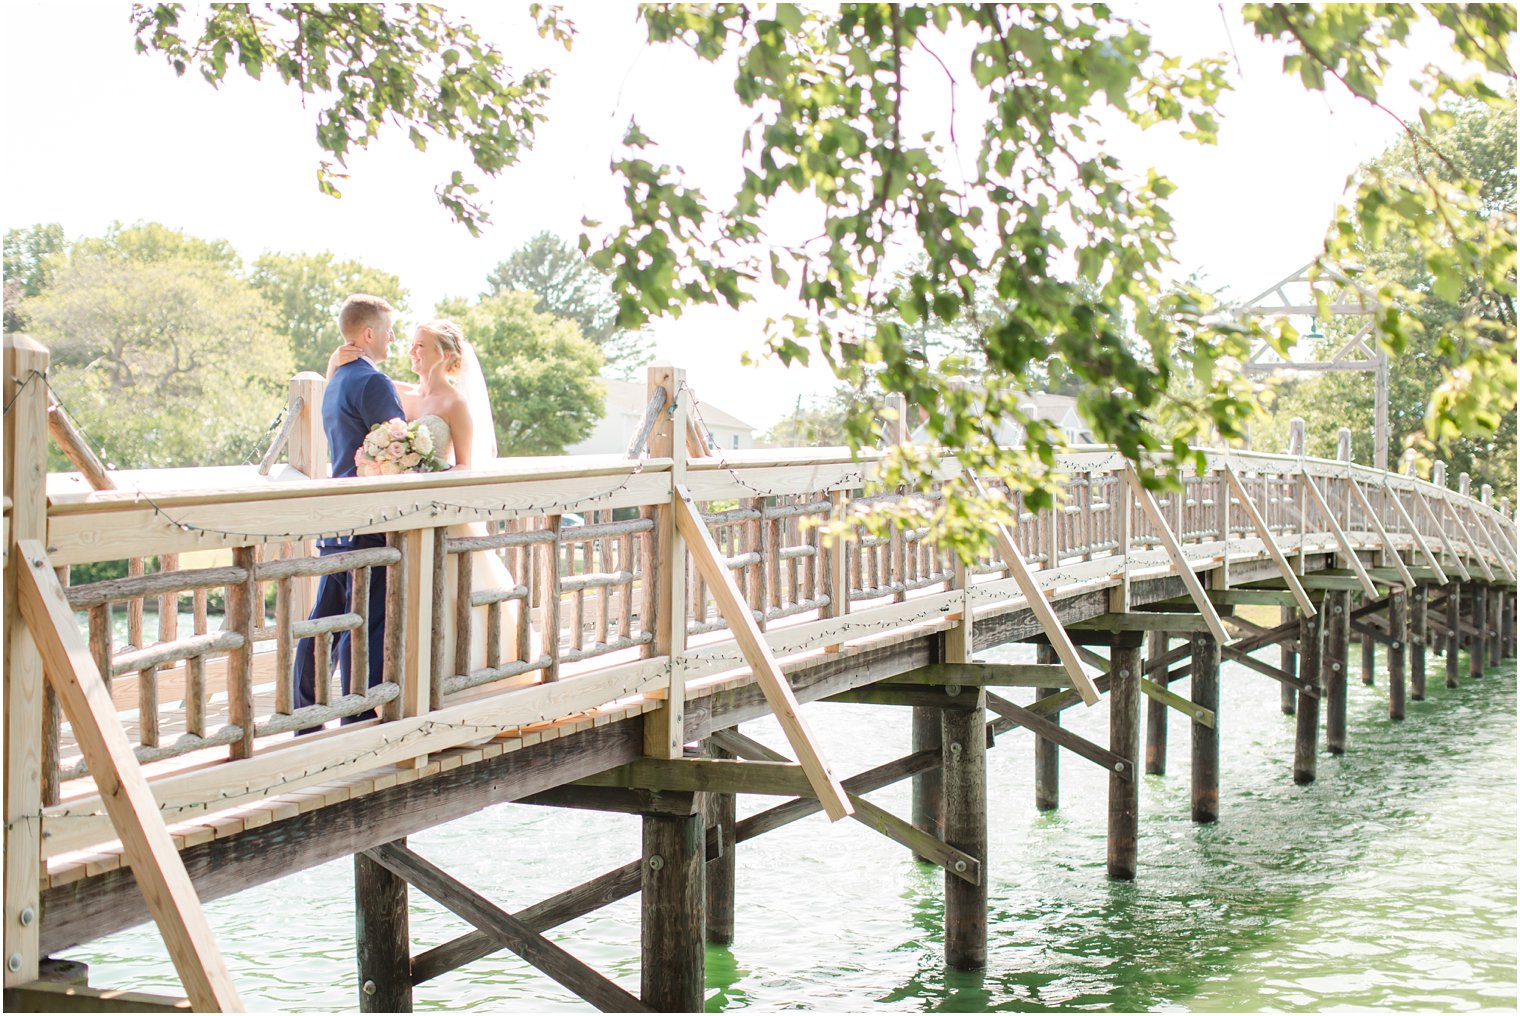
(1375, 634)
(720, 813)
(1446, 544)
(1317, 583)
(1419, 635)
(1398, 626)
(382, 937)
(134, 814)
(1300, 596)
(924, 845)
(1150, 689)
(1467, 538)
(1347, 551)
(1335, 666)
(664, 729)
(673, 954)
(1205, 692)
(1453, 634)
(1059, 735)
(1254, 597)
(1157, 643)
(701, 775)
(1124, 740)
(1250, 662)
(51, 996)
(1431, 561)
(1145, 621)
(1180, 561)
(511, 932)
(1034, 596)
(915, 695)
(1047, 754)
(1002, 675)
(615, 799)
(1306, 719)
(1371, 515)
(773, 684)
(964, 754)
(1477, 659)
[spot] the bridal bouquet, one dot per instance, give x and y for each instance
(396, 446)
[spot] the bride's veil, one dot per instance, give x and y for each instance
(472, 385)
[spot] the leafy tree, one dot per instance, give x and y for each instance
(170, 362)
(152, 242)
(1077, 244)
(817, 422)
(29, 258)
(1478, 142)
(569, 286)
(306, 291)
(540, 372)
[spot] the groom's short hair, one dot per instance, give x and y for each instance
(359, 312)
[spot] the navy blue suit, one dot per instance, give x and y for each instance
(357, 398)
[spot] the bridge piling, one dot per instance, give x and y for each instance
(1508, 624)
(1398, 630)
(1124, 740)
(673, 967)
(964, 751)
(1306, 729)
(1496, 614)
(928, 787)
(382, 937)
(1047, 754)
(1369, 657)
(1336, 666)
(1477, 642)
(1205, 693)
(1453, 634)
(1419, 635)
(1288, 661)
(1155, 711)
(721, 815)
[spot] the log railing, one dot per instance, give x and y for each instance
(580, 624)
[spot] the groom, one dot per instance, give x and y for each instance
(358, 397)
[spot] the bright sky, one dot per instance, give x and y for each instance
(97, 133)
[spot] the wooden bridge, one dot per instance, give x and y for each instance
(151, 761)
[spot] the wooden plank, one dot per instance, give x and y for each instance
(1307, 687)
(1258, 597)
(1143, 621)
(1435, 522)
(773, 684)
(1149, 688)
(912, 695)
(1187, 707)
(664, 729)
(507, 930)
(1501, 554)
(1057, 734)
(1305, 604)
(134, 815)
(1190, 581)
(1377, 526)
(702, 775)
(1014, 561)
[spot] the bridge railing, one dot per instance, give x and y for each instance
(577, 629)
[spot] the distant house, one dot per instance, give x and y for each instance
(626, 402)
(1060, 410)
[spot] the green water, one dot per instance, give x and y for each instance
(1389, 882)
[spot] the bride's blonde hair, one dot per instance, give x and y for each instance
(450, 339)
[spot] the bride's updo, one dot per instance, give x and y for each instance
(450, 339)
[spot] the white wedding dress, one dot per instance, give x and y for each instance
(488, 572)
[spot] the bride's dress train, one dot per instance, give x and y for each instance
(487, 573)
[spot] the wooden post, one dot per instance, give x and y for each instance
(1288, 661)
(1369, 660)
(307, 451)
(1124, 740)
(1495, 614)
(1398, 628)
(964, 738)
(1475, 645)
(1453, 633)
(1508, 625)
(1419, 633)
(1336, 665)
(26, 436)
(382, 937)
(1205, 693)
(673, 968)
(1156, 711)
(664, 729)
(721, 814)
(1306, 734)
(1047, 754)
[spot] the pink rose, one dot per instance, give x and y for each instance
(396, 450)
(398, 429)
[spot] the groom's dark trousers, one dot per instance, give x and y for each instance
(357, 398)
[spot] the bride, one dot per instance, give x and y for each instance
(450, 399)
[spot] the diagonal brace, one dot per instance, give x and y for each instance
(1112, 761)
